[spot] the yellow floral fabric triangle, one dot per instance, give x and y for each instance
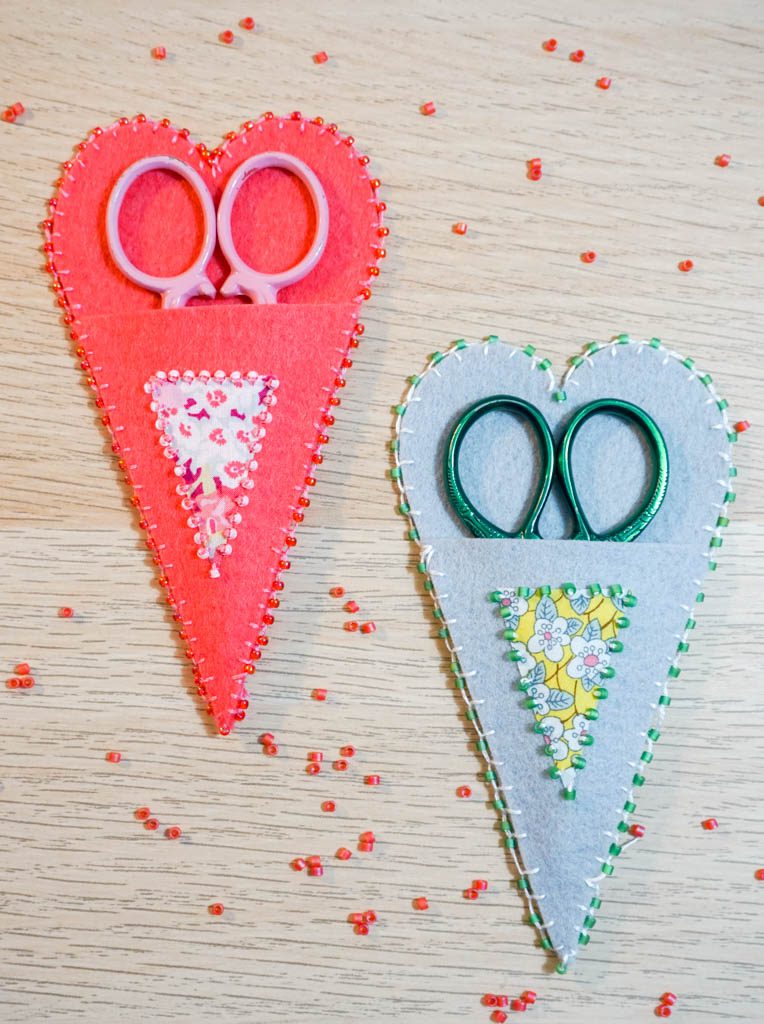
(563, 640)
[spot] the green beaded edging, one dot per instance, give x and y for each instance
(652, 735)
(593, 589)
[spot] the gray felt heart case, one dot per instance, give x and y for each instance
(563, 649)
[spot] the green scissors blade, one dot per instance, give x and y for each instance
(480, 526)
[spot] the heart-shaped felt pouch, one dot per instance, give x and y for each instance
(563, 649)
(217, 411)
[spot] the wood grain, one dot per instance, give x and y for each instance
(99, 920)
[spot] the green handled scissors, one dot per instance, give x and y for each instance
(631, 528)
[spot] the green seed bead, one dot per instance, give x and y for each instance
(522, 883)
(654, 735)
(538, 728)
(545, 364)
(395, 473)
(510, 843)
(664, 700)
(646, 756)
(592, 347)
(607, 869)
(578, 762)
(706, 379)
(655, 343)
(622, 826)
(623, 339)
(690, 624)
(530, 703)
(561, 968)
(629, 807)
(592, 714)
(460, 344)
(549, 749)
(596, 903)
(683, 646)
(545, 591)
(568, 589)
(615, 646)
(600, 693)
(437, 613)
(608, 672)
(510, 634)
(414, 379)
(576, 360)
(492, 338)
(524, 591)
(436, 358)
(622, 622)
(674, 672)
(534, 919)
(616, 590)
(427, 585)
(443, 633)
(490, 776)
(689, 363)
(470, 715)
(700, 597)
(732, 471)
(716, 542)
(614, 850)
(554, 772)
(638, 780)
(587, 741)
(495, 596)
(529, 350)
(730, 497)
(545, 943)
(515, 656)
(413, 534)
(399, 409)
(569, 794)
(559, 396)
(594, 589)
(589, 921)
(460, 684)
(629, 600)
(499, 805)
(404, 508)
(481, 745)
(583, 939)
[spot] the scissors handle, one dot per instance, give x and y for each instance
(245, 280)
(474, 520)
(175, 291)
(631, 528)
(480, 526)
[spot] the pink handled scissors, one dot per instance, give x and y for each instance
(243, 279)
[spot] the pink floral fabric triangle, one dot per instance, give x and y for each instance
(212, 427)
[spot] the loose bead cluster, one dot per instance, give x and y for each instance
(362, 922)
(268, 742)
(534, 169)
(500, 1002)
(366, 842)
(473, 892)
(663, 1009)
(22, 679)
(11, 113)
(150, 823)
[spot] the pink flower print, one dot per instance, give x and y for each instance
(184, 429)
(218, 436)
(216, 398)
(235, 469)
(244, 437)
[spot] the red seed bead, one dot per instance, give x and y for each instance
(428, 109)
(114, 756)
(372, 780)
(266, 737)
(315, 755)
(529, 996)
(337, 591)
(361, 929)
(318, 694)
(248, 24)
(518, 1005)
(577, 56)
(368, 627)
(710, 824)
(604, 83)
(460, 228)
(313, 861)
(313, 768)
(470, 894)
(759, 874)
(723, 160)
(329, 806)
(142, 813)
(637, 830)
(589, 256)
(668, 998)
(760, 200)
(315, 871)
(347, 751)
(489, 999)
(340, 765)
(366, 847)
(298, 864)
(370, 917)
(663, 1010)
(502, 1000)
(355, 918)
(26, 683)
(13, 683)
(420, 903)
(226, 37)
(173, 832)
(270, 749)
(351, 626)
(352, 607)
(18, 110)
(464, 792)
(480, 884)
(550, 45)
(741, 426)
(321, 57)
(159, 53)
(216, 909)
(367, 837)
(535, 174)
(343, 853)
(685, 266)
(151, 824)
(499, 1016)
(22, 669)
(8, 115)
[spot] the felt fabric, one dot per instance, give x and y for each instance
(125, 340)
(564, 847)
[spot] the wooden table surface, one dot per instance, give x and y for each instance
(102, 921)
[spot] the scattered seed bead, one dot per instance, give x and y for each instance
(226, 37)
(723, 160)
(637, 830)
(151, 824)
(686, 265)
(315, 755)
(319, 695)
(518, 1005)
(668, 998)
(470, 894)
(315, 871)
(366, 847)
(337, 591)
(266, 738)
(355, 918)
(550, 45)
(499, 1016)
(142, 813)
(347, 751)
(352, 607)
(298, 864)
(372, 780)
(340, 765)
(159, 53)
(65, 613)
(710, 824)
(367, 837)
(604, 83)
(114, 756)
(321, 57)
(248, 24)
(760, 200)
(428, 109)
(8, 115)
(343, 853)
(370, 917)
(663, 1010)
(489, 999)
(420, 903)
(351, 626)
(464, 792)
(13, 683)
(759, 874)
(368, 627)
(329, 806)
(270, 749)
(534, 163)
(173, 832)
(313, 861)
(22, 669)
(460, 228)
(361, 929)
(26, 683)
(742, 426)
(577, 56)
(589, 256)
(313, 768)
(535, 174)
(480, 884)
(529, 996)
(216, 909)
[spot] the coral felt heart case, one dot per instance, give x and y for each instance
(217, 410)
